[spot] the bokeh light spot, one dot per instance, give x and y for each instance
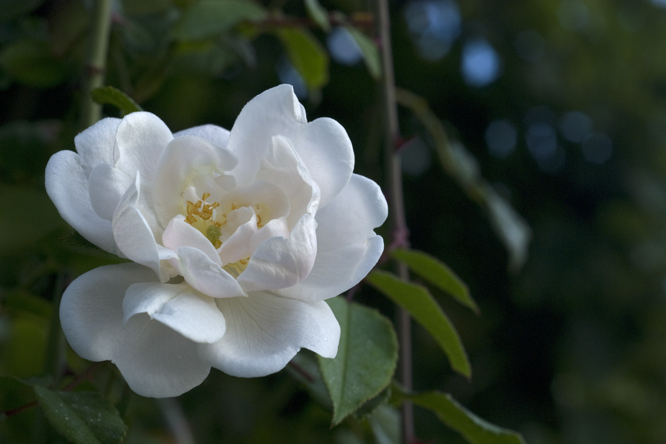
(480, 63)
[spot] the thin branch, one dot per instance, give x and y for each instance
(96, 61)
(177, 421)
(301, 371)
(365, 21)
(397, 211)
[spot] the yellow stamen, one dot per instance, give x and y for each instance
(200, 214)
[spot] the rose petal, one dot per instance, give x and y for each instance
(271, 113)
(184, 158)
(157, 361)
(212, 133)
(238, 245)
(265, 331)
(347, 247)
(96, 144)
(352, 216)
(106, 186)
(206, 276)
(67, 186)
(323, 145)
(282, 262)
(327, 152)
(177, 306)
(140, 140)
(133, 234)
(181, 234)
(282, 167)
(154, 360)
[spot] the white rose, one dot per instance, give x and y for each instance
(246, 232)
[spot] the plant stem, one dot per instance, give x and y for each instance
(396, 205)
(96, 62)
(55, 349)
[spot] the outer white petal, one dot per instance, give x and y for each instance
(323, 144)
(265, 331)
(181, 234)
(133, 235)
(351, 217)
(106, 186)
(183, 158)
(91, 311)
(155, 360)
(140, 140)
(273, 112)
(67, 186)
(347, 248)
(178, 306)
(96, 144)
(327, 151)
(206, 276)
(212, 133)
(282, 262)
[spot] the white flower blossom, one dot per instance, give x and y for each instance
(236, 239)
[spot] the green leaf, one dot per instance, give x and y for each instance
(307, 55)
(474, 429)
(208, 18)
(510, 227)
(108, 95)
(25, 302)
(418, 301)
(366, 358)
(369, 51)
(437, 273)
(318, 14)
(81, 417)
(146, 7)
(30, 62)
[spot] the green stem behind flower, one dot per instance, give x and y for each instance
(96, 61)
(397, 211)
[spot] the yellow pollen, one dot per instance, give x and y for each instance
(199, 215)
(236, 268)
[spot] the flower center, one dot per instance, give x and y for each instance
(200, 216)
(236, 268)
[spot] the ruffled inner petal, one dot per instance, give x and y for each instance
(206, 276)
(181, 234)
(282, 262)
(347, 247)
(184, 161)
(133, 234)
(282, 167)
(273, 112)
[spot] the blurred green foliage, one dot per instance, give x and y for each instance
(569, 349)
